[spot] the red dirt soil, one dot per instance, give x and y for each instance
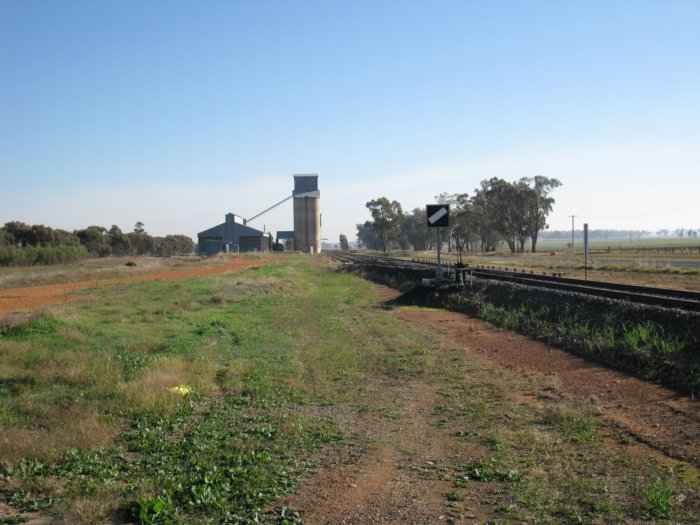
(377, 488)
(657, 416)
(29, 298)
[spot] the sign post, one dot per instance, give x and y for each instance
(585, 251)
(438, 217)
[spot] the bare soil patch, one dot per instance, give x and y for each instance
(655, 415)
(404, 476)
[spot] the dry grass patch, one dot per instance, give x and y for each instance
(232, 378)
(143, 345)
(309, 382)
(75, 427)
(72, 335)
(150, 391)
(95, 508)
(77, 369)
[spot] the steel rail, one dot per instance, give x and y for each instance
(669, 298)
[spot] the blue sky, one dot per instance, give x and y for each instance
(175, 113)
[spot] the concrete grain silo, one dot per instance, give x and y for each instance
(307, 214)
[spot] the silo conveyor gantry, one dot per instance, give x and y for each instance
(307, 213)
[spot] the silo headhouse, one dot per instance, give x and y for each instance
(307, 214)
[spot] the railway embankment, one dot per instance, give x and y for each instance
(656, 343)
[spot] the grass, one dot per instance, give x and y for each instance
(643, 268)
(657, 496)
(86, 400)
(97, 269)
(642, 347)
(278, 361)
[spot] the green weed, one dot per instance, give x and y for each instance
(646, 339)
(657, 496)
(489, 469)
(576, 423)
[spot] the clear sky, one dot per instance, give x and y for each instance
(174, 113)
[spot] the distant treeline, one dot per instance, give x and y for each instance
(497, 212)
(25, 245)
(680, 233)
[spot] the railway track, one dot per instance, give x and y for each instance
(668, 298)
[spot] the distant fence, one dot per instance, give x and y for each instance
(650, 249)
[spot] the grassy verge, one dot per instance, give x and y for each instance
(659, 344)
(547, 461)
(89, 424)
(275, 364)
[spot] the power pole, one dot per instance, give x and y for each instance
(572, 233)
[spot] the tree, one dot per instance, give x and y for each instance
(466, 227)
(141, 243)
(5, 238)
(94, 240)
(503, 209)
(19, 233)
(483, 222)
(139, 227)
(366, 236)
(344, 245)
(387, 217)
(414, 228)
(538, 205)
(458, 203)
(118, 241)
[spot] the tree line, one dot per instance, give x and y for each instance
(497, 211)
(23, 244)
(613, 234)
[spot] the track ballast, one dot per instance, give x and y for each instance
(664, 297)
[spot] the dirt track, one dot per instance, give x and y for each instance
(379, 488)
(29, 298)
(657, 416)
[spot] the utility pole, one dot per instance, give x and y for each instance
(572, 233)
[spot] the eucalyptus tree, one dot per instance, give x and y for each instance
(483, 221)
(120, 243)
(415, 229)
(94, 240)
(366, 236)
(538, 204)
(503, 209)
(387, 217)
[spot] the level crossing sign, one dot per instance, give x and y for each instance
(438, 215)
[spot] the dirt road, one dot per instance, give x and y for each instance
(29, 298)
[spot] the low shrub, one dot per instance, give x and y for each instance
(42, 255)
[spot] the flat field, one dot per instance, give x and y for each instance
(679, 270)
(283, 391)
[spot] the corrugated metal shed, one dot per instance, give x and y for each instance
(226, 237)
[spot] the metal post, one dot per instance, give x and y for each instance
(438, 273)
(585, 251)
(459, 250)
